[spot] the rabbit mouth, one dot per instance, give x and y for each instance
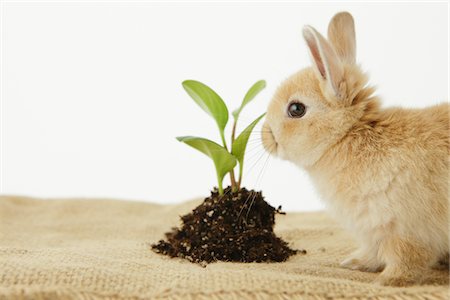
(269, 141)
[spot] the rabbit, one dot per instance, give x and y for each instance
(383, 173)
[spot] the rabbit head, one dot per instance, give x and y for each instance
(316, 107)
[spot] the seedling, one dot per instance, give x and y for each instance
(215, 230)
(225, 160)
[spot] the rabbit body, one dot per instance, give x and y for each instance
(382, 172)
(388, 184)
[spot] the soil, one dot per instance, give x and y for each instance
(237, 226)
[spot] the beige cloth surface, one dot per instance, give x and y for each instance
(93, 248)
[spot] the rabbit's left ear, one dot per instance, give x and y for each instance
(341, 34)
(325, 60)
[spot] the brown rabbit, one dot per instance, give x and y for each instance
(384, 173)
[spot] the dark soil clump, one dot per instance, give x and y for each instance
(233, 227)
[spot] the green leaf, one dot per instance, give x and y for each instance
(239, 145)
(209, 101)
(223, 160)
(252, 92)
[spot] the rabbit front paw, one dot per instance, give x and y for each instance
(358, 264)
(397, 277)
(407, 261)
(362, 262)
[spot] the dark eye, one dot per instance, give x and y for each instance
(296, 110)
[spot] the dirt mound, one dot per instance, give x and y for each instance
(233, 227)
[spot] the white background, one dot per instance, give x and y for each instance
(91, 98)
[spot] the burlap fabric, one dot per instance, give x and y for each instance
(93, 248)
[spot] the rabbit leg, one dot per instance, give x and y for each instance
(406, 261)
(364, 259)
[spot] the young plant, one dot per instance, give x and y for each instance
(225, 160)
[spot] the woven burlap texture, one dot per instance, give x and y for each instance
(100, 249)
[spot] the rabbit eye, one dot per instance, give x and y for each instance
(296, 110)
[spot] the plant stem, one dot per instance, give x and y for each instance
(232, 178)
(240, 177)
(233, 134)
(223, 140)
(234, 186)
(220, 182)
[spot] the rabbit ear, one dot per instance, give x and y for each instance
(324, 58)
(341, 34)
